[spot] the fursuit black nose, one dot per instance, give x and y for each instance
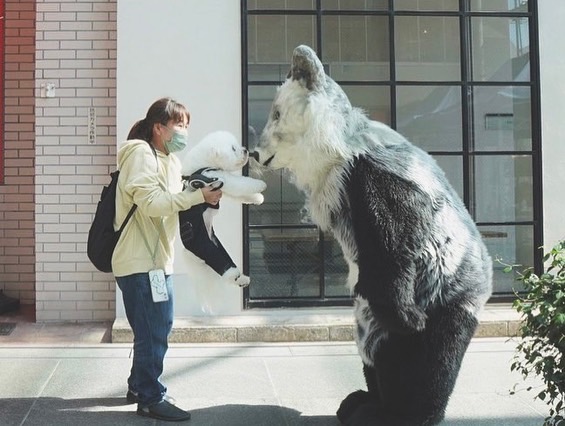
(255, 155)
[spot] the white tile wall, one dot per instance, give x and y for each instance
(76, 50)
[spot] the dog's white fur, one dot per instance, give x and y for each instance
(220, 150)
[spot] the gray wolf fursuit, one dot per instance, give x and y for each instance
(418, 269)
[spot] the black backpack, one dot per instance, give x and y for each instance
(102, 238)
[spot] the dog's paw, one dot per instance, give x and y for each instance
(254, 185)
(243, 281)
(251, 199)
(256, 199)
(261, 186)
(234, 276)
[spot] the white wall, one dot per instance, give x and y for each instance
(189, 50)
(552, 69)
(192, 52)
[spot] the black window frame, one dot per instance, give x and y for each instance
(464, 14)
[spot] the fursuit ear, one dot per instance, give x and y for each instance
(307, 69)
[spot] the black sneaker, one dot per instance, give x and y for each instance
(164, 411)
(131, 397)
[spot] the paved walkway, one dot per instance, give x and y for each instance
(237, 384)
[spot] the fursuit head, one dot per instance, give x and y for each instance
(419, 272)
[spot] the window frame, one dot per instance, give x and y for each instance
(466, 84)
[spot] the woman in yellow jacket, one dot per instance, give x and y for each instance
(143, 258)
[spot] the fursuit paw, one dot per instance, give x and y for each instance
(413, 318)
(368, 414)
(350, 404)
(234, 276)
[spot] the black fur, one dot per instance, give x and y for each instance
(416, 364)
(419, 270)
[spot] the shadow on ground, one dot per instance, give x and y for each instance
(115, 411)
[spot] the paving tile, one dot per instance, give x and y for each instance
(284, 384)
(25, 377)
(14, 410)
(236, 412)
(101, 411)
(491, 410)
(218, 377)
(89, 378)
(315, 376)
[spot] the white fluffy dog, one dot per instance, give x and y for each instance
(216, 159)
(223, 157)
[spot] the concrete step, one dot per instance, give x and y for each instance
(497, 320)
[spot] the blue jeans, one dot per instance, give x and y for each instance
(151, 324)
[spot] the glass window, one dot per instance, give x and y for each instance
(427, 5)
(503, 188)
(427, 48)
(473, 113)
(286, 263)
(281, 4)
(355, 4)
(356, 47)
(374, 100)
(284, 203)
(502, 118)
(501, 49)
(271, 43)
(259, 103)
(508, 245)
(518, 6)
(335, 268)
(430, 116)
(452, 166)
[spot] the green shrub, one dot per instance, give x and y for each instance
(541, 350)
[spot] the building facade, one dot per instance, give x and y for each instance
(478, 84)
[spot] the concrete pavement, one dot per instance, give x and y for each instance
(238, 384)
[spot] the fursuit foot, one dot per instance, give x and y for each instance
(350, 404)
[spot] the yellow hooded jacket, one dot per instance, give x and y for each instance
(154, 184)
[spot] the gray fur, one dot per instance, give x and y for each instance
(418, 268)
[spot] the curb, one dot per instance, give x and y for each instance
(496, 321)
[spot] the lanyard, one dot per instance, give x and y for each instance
(154, 252)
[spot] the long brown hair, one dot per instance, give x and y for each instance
(162, 111)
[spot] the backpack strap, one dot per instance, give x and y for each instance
(126, 220)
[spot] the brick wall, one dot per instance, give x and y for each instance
(17, 241)
(75, 51)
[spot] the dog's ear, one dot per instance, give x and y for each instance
(216, 153)
(307, 68)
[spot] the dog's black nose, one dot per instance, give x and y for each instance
(255, 155)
